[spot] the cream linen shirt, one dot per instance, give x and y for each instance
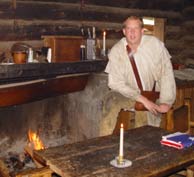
(153, 63)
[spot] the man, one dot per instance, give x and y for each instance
(153, 64)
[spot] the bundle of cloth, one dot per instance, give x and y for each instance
(178, 140)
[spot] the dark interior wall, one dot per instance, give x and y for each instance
(31, 19)
(187, 30)
(28, 20)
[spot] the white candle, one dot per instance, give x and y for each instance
(104, 41)
(49, 55)
(121, 141)
(93, 32)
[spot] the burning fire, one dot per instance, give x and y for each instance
(35, 140)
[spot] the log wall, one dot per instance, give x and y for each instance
(187, 30)
(28, 20)
(92, 112)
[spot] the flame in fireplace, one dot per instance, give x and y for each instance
(35, 140)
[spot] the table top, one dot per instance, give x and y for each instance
(92, 157)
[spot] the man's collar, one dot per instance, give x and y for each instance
(141, 42)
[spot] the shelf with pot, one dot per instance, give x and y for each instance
(22, 83)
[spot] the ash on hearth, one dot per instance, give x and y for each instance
(22, 165)
(15, 163)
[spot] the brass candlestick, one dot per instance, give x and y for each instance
(120, 160)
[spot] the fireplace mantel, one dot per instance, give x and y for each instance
(11, 73)
(22, 83)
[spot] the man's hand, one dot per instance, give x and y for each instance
(163, 108)
(151, 106)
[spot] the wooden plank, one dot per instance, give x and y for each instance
(31, 71)
(190, 171)
(31, 30)
(142, 146)
(4, 171)
(159, 28)
(174, 5)
(29, 150)
(13, 94)
(59, 44)
(31, 19)
(37, 172)
(73, 11)
(126, 118)
(188, 12)
(174, 44)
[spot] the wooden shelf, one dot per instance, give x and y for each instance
(30, 71)
(23, 83)
(19, 93)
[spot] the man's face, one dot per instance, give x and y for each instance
(133, 31)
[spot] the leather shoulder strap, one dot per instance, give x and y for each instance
(133, 64)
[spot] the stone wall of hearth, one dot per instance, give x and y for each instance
(64, 119)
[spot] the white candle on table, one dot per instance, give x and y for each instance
(104, 41)
(121, 141)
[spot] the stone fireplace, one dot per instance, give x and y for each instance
(63, 119)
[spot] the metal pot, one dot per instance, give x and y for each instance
(19, 57)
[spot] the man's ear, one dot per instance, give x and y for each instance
(142, 31)
(124, 31)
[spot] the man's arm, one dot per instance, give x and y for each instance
(167, 83)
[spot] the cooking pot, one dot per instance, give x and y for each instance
(19, 57)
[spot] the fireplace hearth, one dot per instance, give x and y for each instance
(48, 117)
(61, 120)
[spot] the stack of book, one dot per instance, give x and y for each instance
(178, 140)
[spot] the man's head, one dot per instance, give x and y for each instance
(133, 30)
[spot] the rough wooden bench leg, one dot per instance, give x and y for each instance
(190, 171)
(190, 122)
(170, 120)
(127, 118)
(4, 171)
(37, 172)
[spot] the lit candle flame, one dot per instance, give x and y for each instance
(121, 125)
(104, 41)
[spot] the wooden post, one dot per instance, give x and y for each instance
(14, 4)
(38, 172)
(126, 118)
(170, 120)
(190, 171)
(159, 28)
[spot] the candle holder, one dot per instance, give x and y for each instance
(120, 162)
(103, 53)
(120, 159)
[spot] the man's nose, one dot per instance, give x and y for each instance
(131, 30)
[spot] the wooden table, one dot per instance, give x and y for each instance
(92, 157)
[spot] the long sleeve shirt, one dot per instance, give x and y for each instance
(153, 64)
